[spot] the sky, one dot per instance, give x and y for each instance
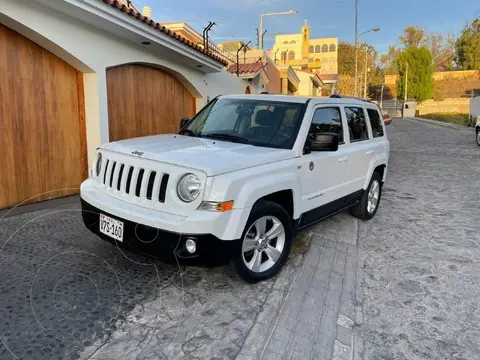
(238, 19)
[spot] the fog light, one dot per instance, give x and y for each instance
(191, 246)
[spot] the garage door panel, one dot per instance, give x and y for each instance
(144, 101)
(40, 113)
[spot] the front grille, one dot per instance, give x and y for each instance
(134, 180)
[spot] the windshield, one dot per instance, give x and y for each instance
(256, 122)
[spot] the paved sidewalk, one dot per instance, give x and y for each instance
(442, 124)
(317, 319)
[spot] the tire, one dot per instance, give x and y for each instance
(255, 251)
(362, 210)
(477, 136)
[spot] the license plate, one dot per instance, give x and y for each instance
(111, 227)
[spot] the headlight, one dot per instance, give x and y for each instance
(188, 187)
(98, 164)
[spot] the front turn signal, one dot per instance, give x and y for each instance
(216, 206)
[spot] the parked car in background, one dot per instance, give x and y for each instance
(387, 119)
(239, 179)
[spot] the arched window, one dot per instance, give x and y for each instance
(284, 55)
(317, 60)
(317, 48)
(285, 42)
(293, 42)
(325, 48)
(333, 48)
(247, 90)
(324, 60)
(311, 49)
(332, 60)
(291, 55)
(324, 71)
(305, 35)
(310, 60)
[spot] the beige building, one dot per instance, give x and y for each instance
(301, 52)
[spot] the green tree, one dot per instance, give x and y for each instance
(389, 61)
(346, 67)
(468, 48)
(420, 74)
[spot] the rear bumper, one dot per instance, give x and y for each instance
(165, 245)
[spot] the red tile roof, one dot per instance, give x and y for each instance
(136, 14)
(328, 77)
(251, 68)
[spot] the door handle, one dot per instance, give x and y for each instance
(343, 159)
(369, 152)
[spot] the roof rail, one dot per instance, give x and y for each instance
(338, 96)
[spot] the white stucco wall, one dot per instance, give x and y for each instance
(92, 51)
(475, 106)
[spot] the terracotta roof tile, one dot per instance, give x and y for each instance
(328, 77)
(251, 68)
(134, 13)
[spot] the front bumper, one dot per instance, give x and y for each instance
(165, 245)
(225, 226)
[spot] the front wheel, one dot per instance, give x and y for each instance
(368, 205)
(265, 244)
(478, 136)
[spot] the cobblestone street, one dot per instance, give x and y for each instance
(402, 286)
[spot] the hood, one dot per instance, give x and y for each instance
(212, 156)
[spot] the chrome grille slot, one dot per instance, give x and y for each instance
(107, 171)
(138, 186)
(112, 172)
(129, 180)
(163, 188)
(151, 182)
(120, 173)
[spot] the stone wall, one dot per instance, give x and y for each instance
(457, 105)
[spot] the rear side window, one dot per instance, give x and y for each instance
(356, 124)
(375, 122)
(327, 119)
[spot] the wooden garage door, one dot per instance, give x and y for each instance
(143, 101)
(42, 133)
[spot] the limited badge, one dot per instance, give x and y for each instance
(311, 166)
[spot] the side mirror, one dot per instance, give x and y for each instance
(324, 142)
(184, 122)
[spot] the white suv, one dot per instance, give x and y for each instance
(239, 179)
(477, 131)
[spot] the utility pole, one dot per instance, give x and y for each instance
(258, 40)
(366, 71)
(356, 48)
(406, 83)
(381, 97)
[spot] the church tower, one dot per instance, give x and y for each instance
(305, 40)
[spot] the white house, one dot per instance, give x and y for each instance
(77, 73)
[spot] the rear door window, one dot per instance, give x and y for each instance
(357, 126)
(375, 122)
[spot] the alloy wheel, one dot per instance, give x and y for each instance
(263, 243)
(373, 196)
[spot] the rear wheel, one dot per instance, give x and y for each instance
(368, 205)
(478, 136)
(265, 243)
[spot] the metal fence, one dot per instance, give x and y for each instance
(392, 107)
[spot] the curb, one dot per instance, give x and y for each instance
(440, 123)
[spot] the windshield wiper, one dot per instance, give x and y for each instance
(228, 137)
(188, 132)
